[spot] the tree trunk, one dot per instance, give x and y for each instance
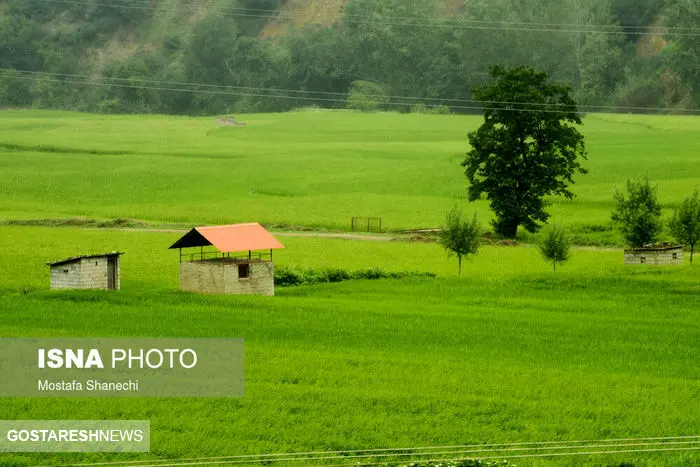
(508, 228)
(459, 259)
(554, 262)
(692, 249)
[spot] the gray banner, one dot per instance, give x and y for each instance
(75, 436)
(89, 367)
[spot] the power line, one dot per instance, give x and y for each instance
(516, 456)
(420, 22)
(337, 97)
(276, 13)
(402, 452)
(242, 94)
(453, 459)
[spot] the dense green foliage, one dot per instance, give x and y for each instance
(529, 147)
(685, 223)
(556, 246)
(426, 51)
(638, 213)
(460, 236)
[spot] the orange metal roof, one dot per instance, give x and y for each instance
(230, 238)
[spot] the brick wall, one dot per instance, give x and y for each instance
(214, 277)
(202, 276)
(85, 273)
(260, 280)
(659, 257)
(66, 276)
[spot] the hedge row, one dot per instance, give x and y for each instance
(285, 276)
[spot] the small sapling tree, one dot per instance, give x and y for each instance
(556, 246)
(638, 215)
(685, 223)
(460, 236)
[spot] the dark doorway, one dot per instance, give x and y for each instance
(111, 273)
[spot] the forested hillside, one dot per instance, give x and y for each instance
(212, 57)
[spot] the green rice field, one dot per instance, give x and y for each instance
(510, 352)
(314, 169)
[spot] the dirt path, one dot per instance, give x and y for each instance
(341, 235)
(347, 236)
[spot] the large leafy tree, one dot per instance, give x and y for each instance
(528, 147)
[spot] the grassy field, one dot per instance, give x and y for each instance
(510, 352)
(324, 372)
(305, 168)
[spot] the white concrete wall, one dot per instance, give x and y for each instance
(66, 276)
(654, 257)
(85, 273)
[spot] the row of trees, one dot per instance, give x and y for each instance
(528, 148)
(462, 237)
(396, 45)
(637, 215)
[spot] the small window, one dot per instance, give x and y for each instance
(95, 263)
(243, 271)
(65, 270)
(675, 256)
(643, 259)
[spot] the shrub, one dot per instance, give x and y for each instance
(287, 277)
(421, 108)
(337, 275)
(366, 96)
(440, 110)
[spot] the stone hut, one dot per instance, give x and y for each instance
(229, 260)
(655, 254)
(99, 271)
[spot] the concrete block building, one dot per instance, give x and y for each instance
(100, 271)
(655, 254)
(230, 260)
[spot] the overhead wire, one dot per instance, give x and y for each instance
(338, 97)
(255, 92)
(516, 456)
(423, 22)
(395, 453)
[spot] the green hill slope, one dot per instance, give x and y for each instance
(435, 51)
